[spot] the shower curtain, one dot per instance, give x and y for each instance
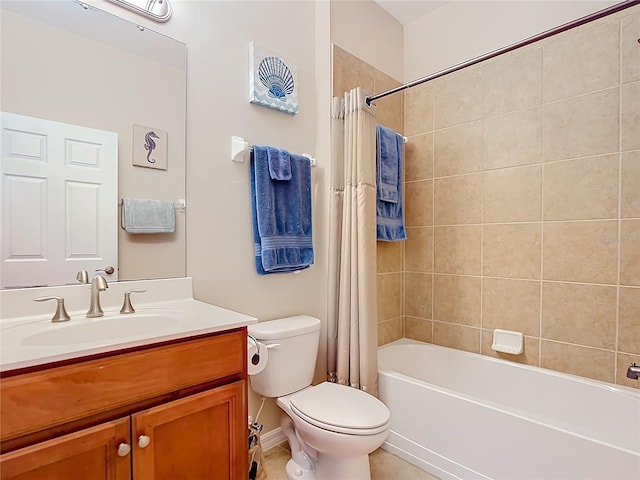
(352, 310)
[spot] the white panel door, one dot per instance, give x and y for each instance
(59, 195)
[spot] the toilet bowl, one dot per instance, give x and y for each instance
(331, 428)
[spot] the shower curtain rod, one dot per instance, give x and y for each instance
(548, 33)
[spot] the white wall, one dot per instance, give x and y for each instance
(462, 30)
(367, 31)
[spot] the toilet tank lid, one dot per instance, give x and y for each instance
(284, 327)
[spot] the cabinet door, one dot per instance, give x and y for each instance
(200, 437)
(90, 454)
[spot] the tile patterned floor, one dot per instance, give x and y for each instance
(384, 466)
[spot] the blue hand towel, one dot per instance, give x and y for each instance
(281, 214)
(387, 164)
(389, 206)
(279, 164)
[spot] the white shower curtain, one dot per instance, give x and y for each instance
(352, 311)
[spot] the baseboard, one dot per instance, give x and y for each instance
(272, 439)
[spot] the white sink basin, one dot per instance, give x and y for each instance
(101, 329)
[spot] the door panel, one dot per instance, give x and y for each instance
(89, 454)
(59, 201)
(201, 437)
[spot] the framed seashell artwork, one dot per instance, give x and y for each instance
(273, 80)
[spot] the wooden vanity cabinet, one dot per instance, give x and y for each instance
(183, 417)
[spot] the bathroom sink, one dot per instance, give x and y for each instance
(102, 329)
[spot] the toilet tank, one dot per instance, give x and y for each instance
(292, 353)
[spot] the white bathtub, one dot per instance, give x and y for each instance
(461, 415)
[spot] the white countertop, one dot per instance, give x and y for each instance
(33, 340)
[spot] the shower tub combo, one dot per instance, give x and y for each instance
(461, 415)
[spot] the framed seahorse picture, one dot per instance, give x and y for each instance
(149, 147)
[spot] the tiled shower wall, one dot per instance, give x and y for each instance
(350, 72)
(523, 203)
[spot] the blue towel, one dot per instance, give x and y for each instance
(389, 204)
(279, 164)
(281, 213)
(387, 164)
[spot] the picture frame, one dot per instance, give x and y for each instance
(149, 147)
(273, 79)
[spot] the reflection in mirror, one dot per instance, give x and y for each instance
(71, 63)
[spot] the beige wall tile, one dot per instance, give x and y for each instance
(457, 336)
(630, 26)
(418, 255)
(630, 195)
(418, 109)
(511, 305)
(530, 353)
(419, 157)
(624, 360)
(520, 75)
(389, 256)
(512, 195)
(630, 252)
(584, 60)
(389, 296)
(512, 250)
(456, 299)
(356, 74)
(576, 360)
(458, 200)
(458, 150)
(389, 330)
(390, 112)
(577, 313)
(581, 126)
(337, 90)
(417, 294)
(418, 197)
(630, 123)
(458, 98)
(457, 249)
(513, 139)
(583, 189)
(580, 251)
(629, 320)
(418, 329)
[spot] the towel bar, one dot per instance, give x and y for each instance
(180, 205)
(239, 146)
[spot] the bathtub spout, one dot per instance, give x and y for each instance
(633, 372)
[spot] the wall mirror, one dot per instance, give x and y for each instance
(68, 62)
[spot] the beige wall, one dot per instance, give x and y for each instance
(367, 31)
(461, 30)
(219, 236)
(523, 209)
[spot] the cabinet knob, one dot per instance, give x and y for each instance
(123, 449)
(143, 441)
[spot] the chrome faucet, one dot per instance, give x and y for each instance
(633, 372)
(98, 284)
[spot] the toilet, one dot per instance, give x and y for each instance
(331, 428)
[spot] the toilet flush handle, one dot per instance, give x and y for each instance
(272, 345)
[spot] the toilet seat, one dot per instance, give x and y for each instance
(341, 409)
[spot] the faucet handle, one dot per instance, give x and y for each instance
(126, 305)
(83, 276)
(60, 314)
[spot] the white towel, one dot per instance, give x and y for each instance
(148, 216)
